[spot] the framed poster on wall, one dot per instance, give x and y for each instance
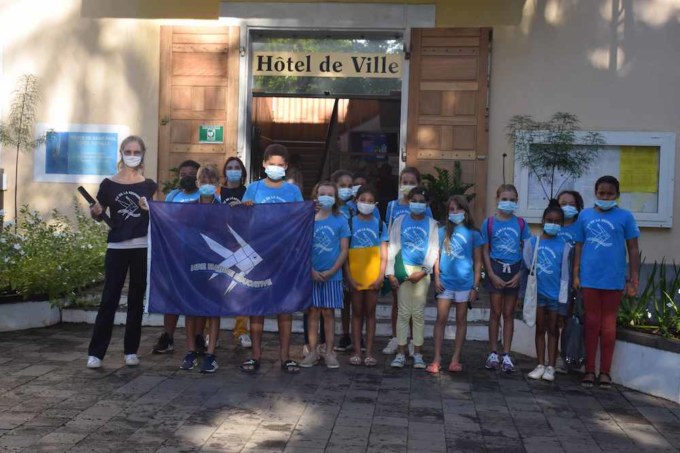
(78, 153)
(644, 164)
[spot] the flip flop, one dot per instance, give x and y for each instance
(455, 367)
(588, 380)
(433, 368)
(355, 360)
(290, 367)
(604, 384)
(250, 366)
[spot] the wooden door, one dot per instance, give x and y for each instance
(199, 70)
(448, 113)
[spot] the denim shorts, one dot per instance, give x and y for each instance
(547, 303)
(563, 309)
(456, 296)
(505, 272)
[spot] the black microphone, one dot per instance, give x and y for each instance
(103, 216)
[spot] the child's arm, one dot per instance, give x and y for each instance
(348, 275)
(495, 280)
(344, 245)
(437, 282)
(633, 267)
(477, 254)
(383, 265)
(577, 265)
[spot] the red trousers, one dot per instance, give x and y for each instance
(600, 309)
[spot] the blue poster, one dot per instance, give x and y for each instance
(81, 153)
(219, 260)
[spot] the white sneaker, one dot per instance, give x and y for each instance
(94, 362)
(245, 340)
(391, 347)
(418, 362)
(411, 348)
(549, 374)
(305, 350)
(310, 360)
(399, 361)
(537, 373)
(331, 360)
(131, 360)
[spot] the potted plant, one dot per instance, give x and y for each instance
(444, 184)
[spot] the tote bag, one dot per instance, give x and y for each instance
(531, 294)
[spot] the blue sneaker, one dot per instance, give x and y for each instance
(190, 361)
(209, 364)
(492, 361)
(507, 366)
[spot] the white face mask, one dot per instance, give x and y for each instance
(366, 208)
(132, 161)
(404, 189)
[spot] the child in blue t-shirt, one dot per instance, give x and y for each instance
(604, 234)
(272, 189)
(502, 236)
(456, 276)
(329, 252)
(409, 179)
(414, 238)
(552, 281)
(367, 233)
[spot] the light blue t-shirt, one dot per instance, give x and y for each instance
(326, 245)
(505, 244)
(568, 233)
(366, 233)
(604, 235)
(396, 210)
(179, 196)
(415, 236)
(259, 193)
(548, 265)
(352, 205)
(456, 262)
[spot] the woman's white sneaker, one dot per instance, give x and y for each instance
(94, 362)
(549, 374)
(131, 360)
(537, 373)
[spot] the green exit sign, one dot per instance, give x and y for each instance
(210, 134)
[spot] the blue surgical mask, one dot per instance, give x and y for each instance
(326, 201)
(345, 193)
(457, 218)
(507, 207)
(417, 208)
(551, 229)
(569, 211)
(234, 175)
(274, 172)
(207, 190)
(605, 205)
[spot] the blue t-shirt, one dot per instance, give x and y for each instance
(415, 236)
(179, 196)
(505, 244)
(351, 204)
(396, 210)
(548, 265)
(259, 193)
(326, 245)
(456, 262)
(568, 233)
(604, 235)
(366, 233)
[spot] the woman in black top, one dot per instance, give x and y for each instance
(125, 196)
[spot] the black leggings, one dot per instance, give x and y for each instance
(116, 265)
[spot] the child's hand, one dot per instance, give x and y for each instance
(631, 288)
(438, 285)
(248, 203)
(497, 282)
(316, 276)
(353, 284)
(473, 295)
(317, 206)
(96, 210)
(416, 277)
(393, 282)
(143, 204)
(378, 283)
(576, 283)
(514, 281)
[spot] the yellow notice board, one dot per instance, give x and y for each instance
(639, 169)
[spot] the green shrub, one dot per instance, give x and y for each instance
(54, 257)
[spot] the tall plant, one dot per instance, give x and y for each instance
(549, 147)
(444, 184)
(17, 132)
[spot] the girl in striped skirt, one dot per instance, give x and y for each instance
(329, 252)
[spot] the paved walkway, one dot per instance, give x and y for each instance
(49, 401)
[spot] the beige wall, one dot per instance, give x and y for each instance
(548, 56)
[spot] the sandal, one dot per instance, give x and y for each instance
(250, 366)
(433, 368)
(455, 367)
(355, 360)
(290, 367)
(588, 380)
(370, 361)
(604, 384)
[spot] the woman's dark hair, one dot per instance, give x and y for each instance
(577, 198)
(367, 189)
(553, 206)
(244, 173)
(420, 190)
(608, 180)
(469, 222)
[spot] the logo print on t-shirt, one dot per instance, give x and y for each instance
(504, 242)
(130, 205)
(544, 262)
(455, 249)
(598, 235)
(414, 239)
(322, 239)
(365, 237)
